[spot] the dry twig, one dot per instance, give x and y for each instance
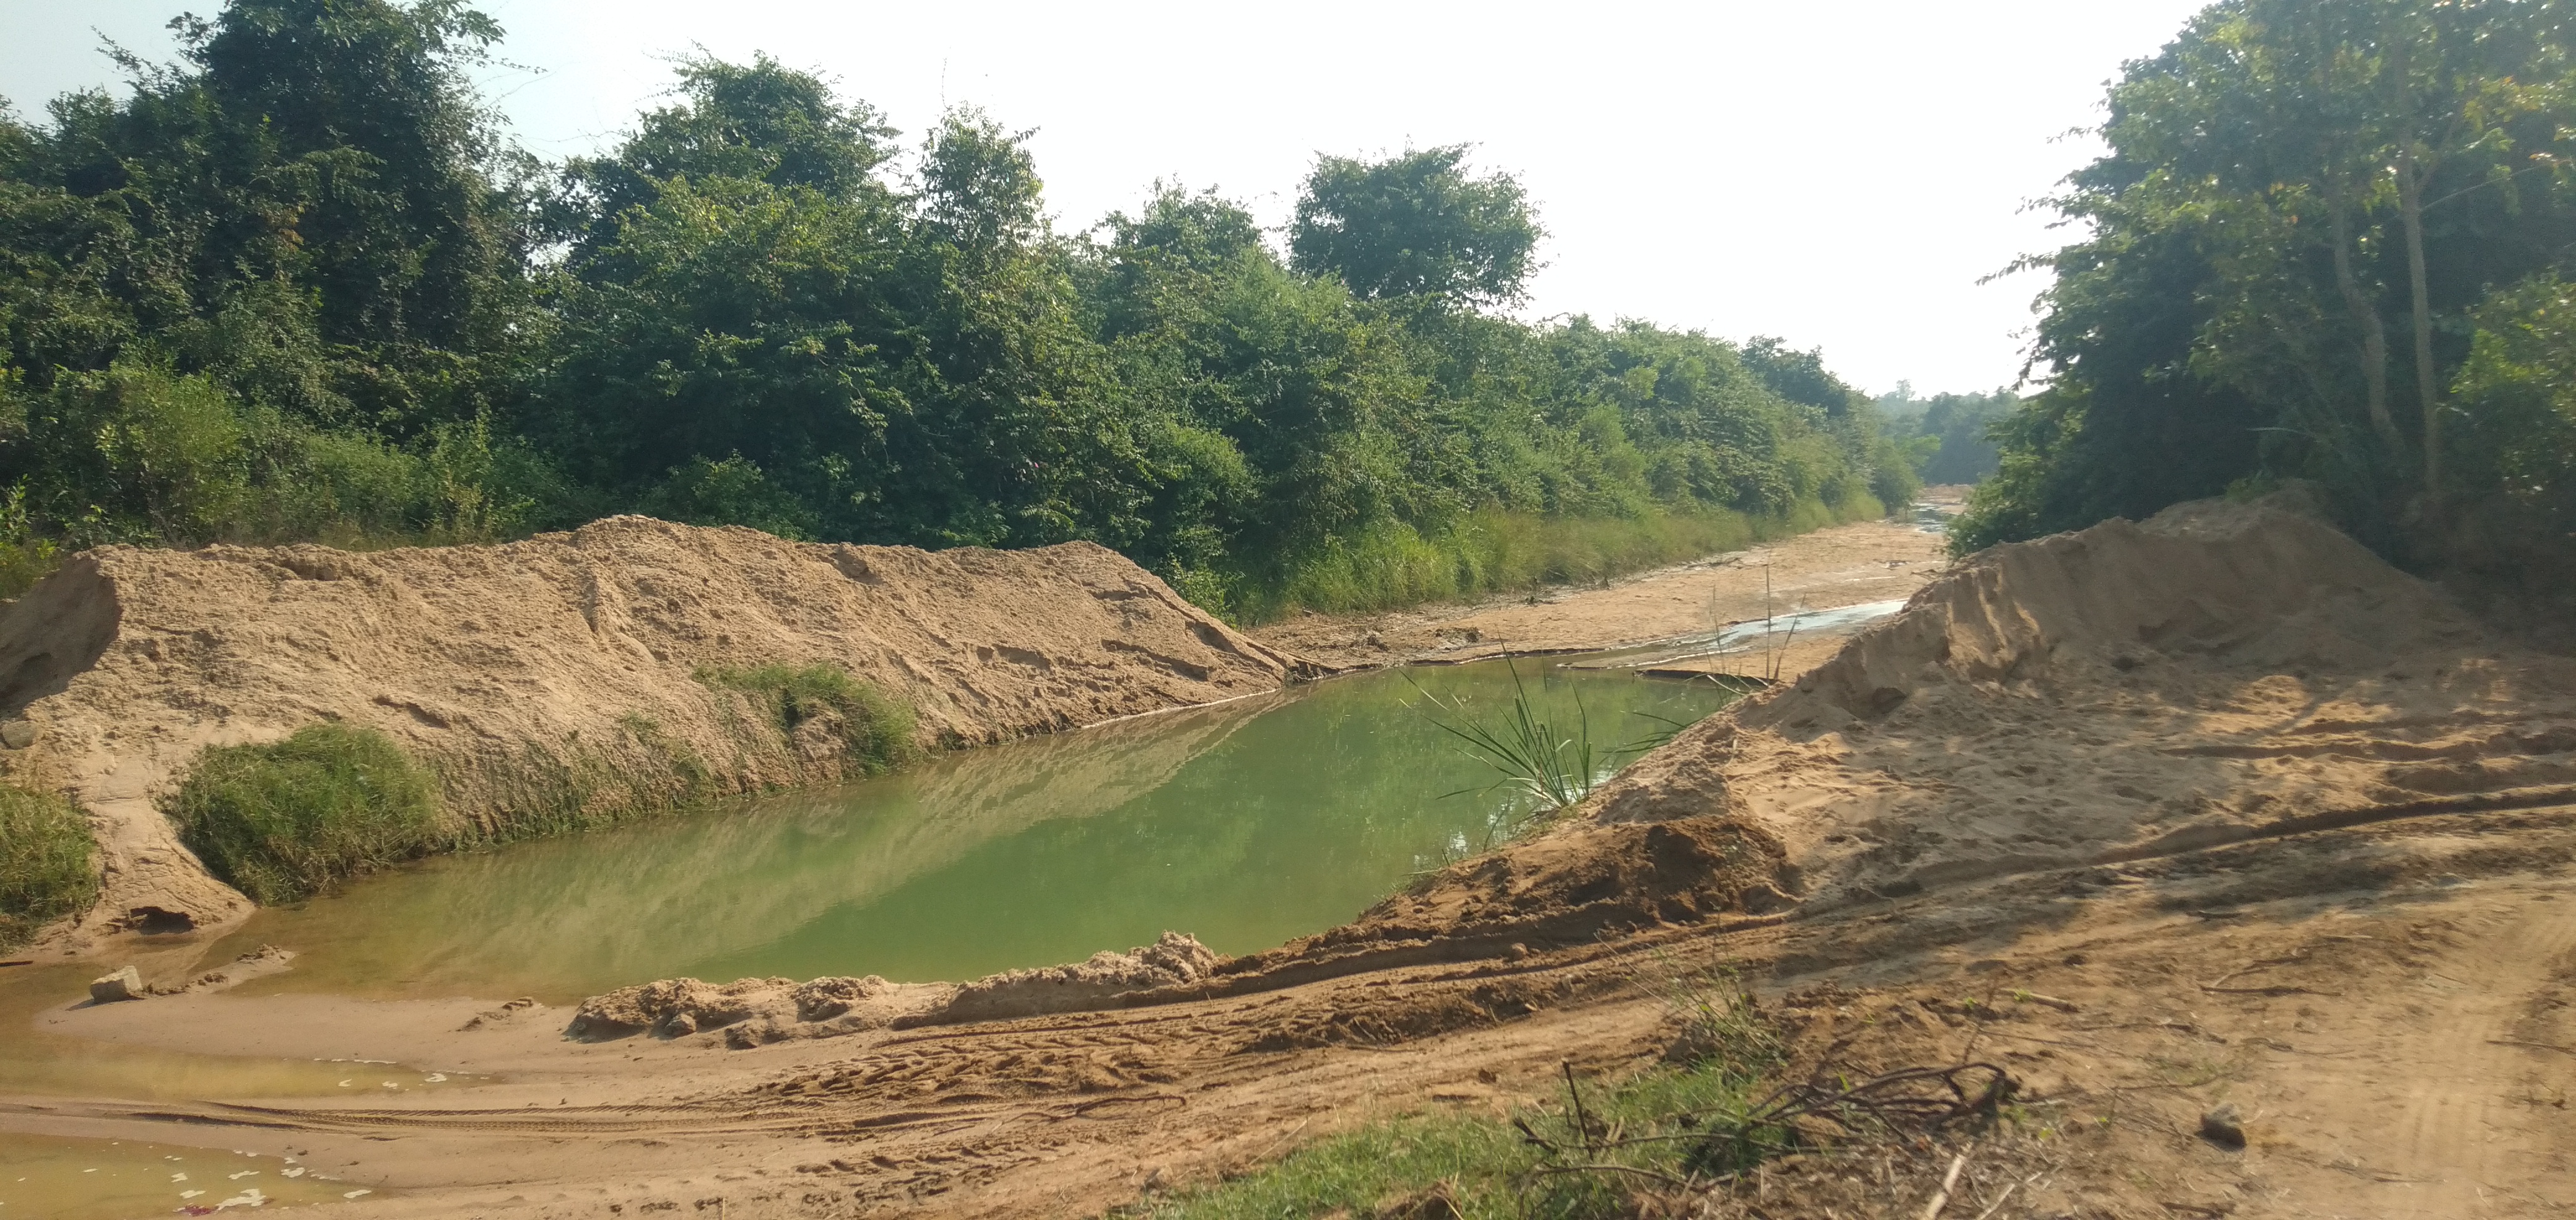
(1949, 1181)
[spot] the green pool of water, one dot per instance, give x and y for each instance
(1246, 824)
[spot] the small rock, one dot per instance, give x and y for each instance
(17, 734)
(126, 984)
(2224, 1126)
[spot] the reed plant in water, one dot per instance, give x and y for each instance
(1554, 764)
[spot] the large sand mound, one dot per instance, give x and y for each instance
(562, 668)
(2220, 673)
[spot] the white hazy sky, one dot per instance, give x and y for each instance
(1839, 174)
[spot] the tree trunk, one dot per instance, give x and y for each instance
(2374, 329)
(2410, 208)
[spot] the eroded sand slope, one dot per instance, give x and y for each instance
(2222, 673)
(567, 662)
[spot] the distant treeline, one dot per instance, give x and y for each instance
(298, 286)
(1948, 437)
(2330, 242)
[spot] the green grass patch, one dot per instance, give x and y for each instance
(45, 863)
(1585, 1153)
(1666, 1123)
(292, 818)
(875, 728)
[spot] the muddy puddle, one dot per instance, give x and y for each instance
(61, 1178)
(1246, 824)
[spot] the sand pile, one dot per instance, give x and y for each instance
(751, 1012)
(754, 1012)
(1174, 958)
(2220, 673)
(568, 667)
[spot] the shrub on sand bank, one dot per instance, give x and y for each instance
(875, 728)
(45, 865)
(285, 820)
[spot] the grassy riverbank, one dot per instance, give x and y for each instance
(46, 870)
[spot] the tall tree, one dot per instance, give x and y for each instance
(1416, 225)
(758, 122)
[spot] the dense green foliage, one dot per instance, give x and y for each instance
(297, 286)
(46, 871)
(289, 819)
(2313, 251)
(1948, 435)
(875, 730)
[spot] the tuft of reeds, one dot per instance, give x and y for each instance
(1553, 765)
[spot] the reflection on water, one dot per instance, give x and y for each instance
(1246, 823)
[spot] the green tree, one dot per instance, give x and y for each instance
(1416, 225)
(2272, 174)
(760, 122)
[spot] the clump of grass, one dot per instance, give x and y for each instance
(45, 863)
(875, 728)
(289, 819)
(1553, 764)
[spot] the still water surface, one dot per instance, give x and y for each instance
(1246, 824)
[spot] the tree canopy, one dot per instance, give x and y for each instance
(2302, 258)
(298, 286)
(1416, 225)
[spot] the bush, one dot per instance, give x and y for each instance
(875, 728)
(45, 871)
(24, 557)
(286, 820)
